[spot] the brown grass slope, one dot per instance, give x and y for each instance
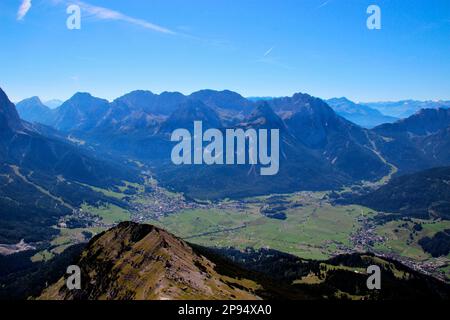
(142, 262)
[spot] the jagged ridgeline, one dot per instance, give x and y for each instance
(43, 176)
(319, 149)
(133, 261)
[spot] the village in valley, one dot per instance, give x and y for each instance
(157, 205)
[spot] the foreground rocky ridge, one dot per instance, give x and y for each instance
(142, 262)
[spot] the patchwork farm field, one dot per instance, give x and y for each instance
(310, 231)
(309, 226)
(402, 239)
(66, 238)
(110, 214)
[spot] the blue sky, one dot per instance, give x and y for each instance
(254, 47)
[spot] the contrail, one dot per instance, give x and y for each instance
(268, 52)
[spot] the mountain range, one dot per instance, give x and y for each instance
(320, 150)
(359, 113)
(44, 176)
(371, 114)
(405, 108)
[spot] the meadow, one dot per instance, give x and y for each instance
(314, 231)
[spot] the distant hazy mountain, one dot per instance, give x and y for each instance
(162, 104)
(167, 102)
(263, 116)
(80, 113)
(227, 100)
(188, 112)
(358, 113)
(143, 262)
(300, 168)
(53, 104)
(406, 108)
(135, 112)
(256, 99)
(33, 110)
(319, 151)
(343, 145)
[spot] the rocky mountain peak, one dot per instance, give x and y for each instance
(9, 118)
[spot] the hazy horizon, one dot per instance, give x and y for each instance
(47, 99)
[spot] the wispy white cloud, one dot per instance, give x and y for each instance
(103, 13)
(108, 14)
(25, 6)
